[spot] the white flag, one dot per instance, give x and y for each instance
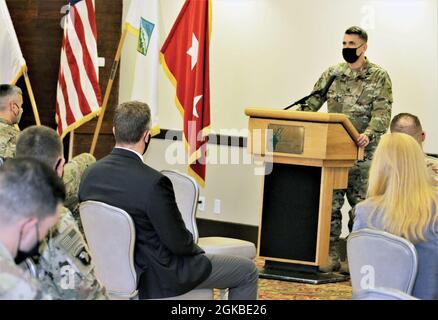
(12, 63)
(142, 22)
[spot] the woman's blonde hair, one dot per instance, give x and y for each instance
(402, 188)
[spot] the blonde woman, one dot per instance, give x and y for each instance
(402, 200)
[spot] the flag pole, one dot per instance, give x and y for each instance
(108, 89)
(70, 145)
(32, 98)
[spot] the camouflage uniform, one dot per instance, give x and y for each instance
(64, 268)
(365, 96)
(8, 139)
(432, 166)
(14, 283)
(73, 171)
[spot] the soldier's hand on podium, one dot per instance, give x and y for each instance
(363, 140)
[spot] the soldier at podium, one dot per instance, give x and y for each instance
(362, 91)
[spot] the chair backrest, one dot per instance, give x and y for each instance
(380, 259)
(110, 234)
(186, 195)
(382, 294)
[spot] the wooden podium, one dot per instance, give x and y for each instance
(307, 155)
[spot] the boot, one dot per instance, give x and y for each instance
(334, 261)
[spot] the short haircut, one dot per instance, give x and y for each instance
(131, 120)
(28, 189)
(414, 125)
(359, 31)
(41, 143)
(7, 90)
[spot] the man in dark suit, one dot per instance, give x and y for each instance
(168, 261)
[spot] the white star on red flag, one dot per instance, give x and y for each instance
(195, 103)
(185, 56)
(193, 51)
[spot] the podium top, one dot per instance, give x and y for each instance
(306, 116)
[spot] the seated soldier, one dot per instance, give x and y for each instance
(11, 102)
(31, 196)
(73, 171)
(65, 268)
(409, 124)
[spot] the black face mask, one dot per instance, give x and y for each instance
(23, 255)
(350, 55)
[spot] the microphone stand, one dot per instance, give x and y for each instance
(303, 100)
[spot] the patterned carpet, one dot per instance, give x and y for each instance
(284, 290)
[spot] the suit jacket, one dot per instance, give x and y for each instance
(167, 260)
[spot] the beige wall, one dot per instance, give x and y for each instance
(270, 53)
(236, 186)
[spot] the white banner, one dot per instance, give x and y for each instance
(12, 63)
(142, 22)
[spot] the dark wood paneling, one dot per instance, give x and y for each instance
(37, 23)
(39, 33)
(104, 146)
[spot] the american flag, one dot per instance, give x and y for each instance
(78, 95)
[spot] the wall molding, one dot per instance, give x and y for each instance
(214, 139)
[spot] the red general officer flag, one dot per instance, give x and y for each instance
(185, 57)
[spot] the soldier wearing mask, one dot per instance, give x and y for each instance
(64, 267)
(363, 92)
(11, 102)
(31, 197)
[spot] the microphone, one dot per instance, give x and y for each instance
(329, 84)
(321, 93)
